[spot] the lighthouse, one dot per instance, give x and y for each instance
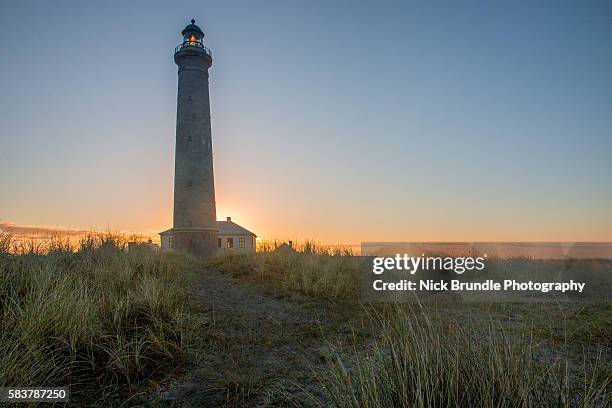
(195, 219)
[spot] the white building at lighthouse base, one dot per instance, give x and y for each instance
(232, 238)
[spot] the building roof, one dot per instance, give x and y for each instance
(225, 228)
(193, 29)
(231, 228)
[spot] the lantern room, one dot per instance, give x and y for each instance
(192, 45)
(192, 34)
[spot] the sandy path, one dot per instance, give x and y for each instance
(253, 348)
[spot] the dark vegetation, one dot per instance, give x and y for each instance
(91, 315)
(288, 329)
(444, 354)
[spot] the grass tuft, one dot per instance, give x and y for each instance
(91, 313)
(419, 360)
(314, 272)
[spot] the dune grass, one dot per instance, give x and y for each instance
(101, 319)
(453, 355)
(92, 315)
(316, 270)
(419, 359)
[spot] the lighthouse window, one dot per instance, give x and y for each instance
(241, 242)
(189, 184)
(230, 243)
(189, 138)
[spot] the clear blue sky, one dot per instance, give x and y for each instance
(339, 121)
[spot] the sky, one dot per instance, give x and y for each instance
(338, 121)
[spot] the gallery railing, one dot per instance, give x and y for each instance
(187, 44)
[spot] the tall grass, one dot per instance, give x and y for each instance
(91, 315)
(312, 269)
(445, 355)
(417, 361)
(307, 246)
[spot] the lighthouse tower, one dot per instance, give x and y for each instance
(195, 219)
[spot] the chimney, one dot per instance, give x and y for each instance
(229, 219)
(291, 244)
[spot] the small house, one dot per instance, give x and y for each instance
(232, 238)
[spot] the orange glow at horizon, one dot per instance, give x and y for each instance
(275, 210)
(271, 224)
